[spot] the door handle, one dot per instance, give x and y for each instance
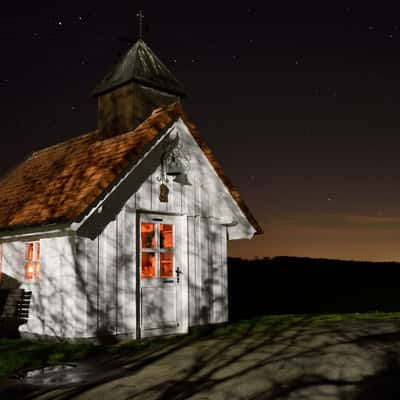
(178, 273)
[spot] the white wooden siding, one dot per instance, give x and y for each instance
(205, 283)
(108, 278)
(111, 284)
(127, 268)
(52, 308)
(83, 307)
(224, 273)
(192, 272)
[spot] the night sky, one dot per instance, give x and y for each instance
(300, 104)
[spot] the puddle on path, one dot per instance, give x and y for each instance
(62, 374)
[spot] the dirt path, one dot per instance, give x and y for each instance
(352, 360)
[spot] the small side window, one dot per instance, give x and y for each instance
(32, 261)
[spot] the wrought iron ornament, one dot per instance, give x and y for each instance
(175, 162)
(164, 191)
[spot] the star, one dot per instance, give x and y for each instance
(59, 23)
(73, 108)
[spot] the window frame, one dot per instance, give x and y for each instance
(35, 261)
(157, 250)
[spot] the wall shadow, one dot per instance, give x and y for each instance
(8, 327)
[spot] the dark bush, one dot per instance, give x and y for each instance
(305, 285)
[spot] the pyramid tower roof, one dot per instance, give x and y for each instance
(139, 64)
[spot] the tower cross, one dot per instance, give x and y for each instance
(141, 16)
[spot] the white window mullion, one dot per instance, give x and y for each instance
(157, 249)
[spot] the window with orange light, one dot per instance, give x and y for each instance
(157, 250)
(166, 238)
(166, 265)
(148, 236)
(32, 261)
(148, 265)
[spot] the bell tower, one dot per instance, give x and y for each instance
(134, 87)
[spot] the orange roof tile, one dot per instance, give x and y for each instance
(60, 183)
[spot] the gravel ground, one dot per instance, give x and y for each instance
(355, 359)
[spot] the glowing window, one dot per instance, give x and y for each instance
(148, 269)
(166, 265)
(32, 261)
(148, 236)
(166, 236)
(157, 250)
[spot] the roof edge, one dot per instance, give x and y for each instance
(142, 82)
(60, 226)
(102, 198)
(218, 170)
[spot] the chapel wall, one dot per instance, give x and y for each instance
(51, 311)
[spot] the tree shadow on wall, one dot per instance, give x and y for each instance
(8, 326)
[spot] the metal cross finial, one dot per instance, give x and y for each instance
(141, 16)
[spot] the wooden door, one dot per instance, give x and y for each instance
(163, 275)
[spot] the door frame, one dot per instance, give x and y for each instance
(184, 277)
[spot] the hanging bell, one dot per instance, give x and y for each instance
(182, 179)
(174, 167)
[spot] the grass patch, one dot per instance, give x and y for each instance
(279, 323)
(17, 354)
(20, 354)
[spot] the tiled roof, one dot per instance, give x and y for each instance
(61, 182)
